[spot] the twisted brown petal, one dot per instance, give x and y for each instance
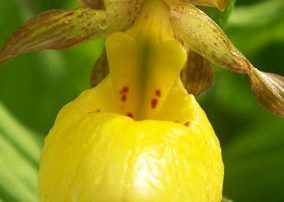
(197, 75)
(199, 33)
(100, 70)
(269, 90)
(58, 29)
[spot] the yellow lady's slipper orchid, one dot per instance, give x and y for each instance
(107, 157)
(138, 136)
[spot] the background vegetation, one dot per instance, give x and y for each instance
(35, 86)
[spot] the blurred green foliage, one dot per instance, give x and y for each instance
(35, 86)
(19, 154)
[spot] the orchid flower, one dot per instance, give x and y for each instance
(138, 136)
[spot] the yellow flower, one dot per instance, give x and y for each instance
(106, 157)
(138, 136)
(165, 154)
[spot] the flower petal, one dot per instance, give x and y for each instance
(220, 4)
(201, 34)
(100, 70)
(55, 29)
(197, 75)
(58, 29)
(269, 90)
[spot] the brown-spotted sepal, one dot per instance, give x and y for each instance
(100, 70)
(58, 29)
(201, 34)
(55, 29)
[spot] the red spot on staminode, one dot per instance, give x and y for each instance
(158, 93)
(123, 98)
(92, 112)
(125, 89)
(187, 124)
(154, 103)
(130, 114)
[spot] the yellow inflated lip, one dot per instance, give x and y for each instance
(106, 157)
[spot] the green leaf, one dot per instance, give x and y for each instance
(254, 163)
(19, 156)
(226, 200)
(253, 27)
